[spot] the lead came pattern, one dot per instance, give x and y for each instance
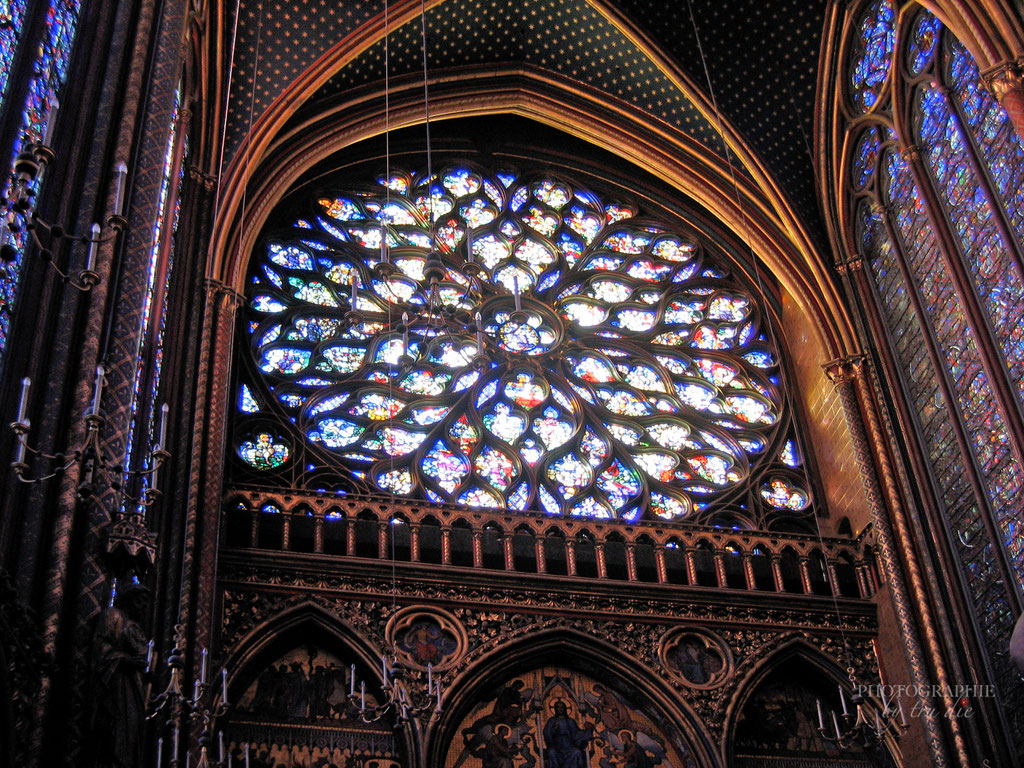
(637, 375)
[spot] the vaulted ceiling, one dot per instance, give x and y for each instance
(760, 58)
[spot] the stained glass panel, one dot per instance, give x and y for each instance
(565, 396)
(49, 74)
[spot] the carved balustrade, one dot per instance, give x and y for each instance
(493, 540)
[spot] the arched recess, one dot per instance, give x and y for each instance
(781, 692)
(295, 669)
(754, 207)
(489, 689)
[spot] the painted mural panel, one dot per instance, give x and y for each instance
(294, 715)
(554, 718)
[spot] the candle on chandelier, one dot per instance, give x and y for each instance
(878, 722)
(120, 173)
(469, 242)
(842, 698)
(247, 755)
(821, 716)
(479, 333)
(515, 292)
(835, 722)
(149, 656)
(355, 289)
(438, 689)
(94, 245)
(202, 666)
(352, 681)
(162, 430)
(362, 694)
(23, 400)
(220, 743)
(97, 390)
(51, 113)
(159, 752)
(903, 717)
(174, 751)
(405, 333)
(430, 676)
(224, 686)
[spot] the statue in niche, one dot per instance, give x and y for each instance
(565, 742)
(118, 662)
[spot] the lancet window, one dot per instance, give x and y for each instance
(934, 168)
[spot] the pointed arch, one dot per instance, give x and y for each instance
(579, 652)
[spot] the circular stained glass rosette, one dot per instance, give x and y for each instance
(633, 374)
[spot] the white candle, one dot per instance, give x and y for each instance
(51, 114)
(97, 390)
(23, 400)
(384, 666)
(159, 752)
(362, 695)
(821, 717)
(355, 289)
(352, 681)
(878, 722)
(842, 698)
(430, 676)
(149, 656)
(479, 333)
(94, 245)
(405, 333)
(224, 686)
(247, 755)
(120, 174)
(220, 741)
(202, 667)
(903, 717)
(469, 242)
(438, 688)
(174, 753)
(161, 434)
(515, 291)
(835, 722)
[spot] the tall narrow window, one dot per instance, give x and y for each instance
(48, 75)
(151, 337)
(938, 220)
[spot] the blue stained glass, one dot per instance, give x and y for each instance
(492, 420)
(49, 74)
(871, 64)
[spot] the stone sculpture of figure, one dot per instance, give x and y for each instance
(119, 660)
(565, 741)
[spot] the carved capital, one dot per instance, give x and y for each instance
(911, 153)
(853, 264)
(1004, 79)
(199, 176)
(844, 369)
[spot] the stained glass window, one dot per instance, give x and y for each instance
(48, 75)
(151, 335)
(971, 164)
(524, 347)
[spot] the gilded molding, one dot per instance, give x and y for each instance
(844, 369)
(1005, 78)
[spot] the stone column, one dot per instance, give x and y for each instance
(570, 556)
(659, 561)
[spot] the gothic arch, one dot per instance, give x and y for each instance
(580, 652)
(300, 624)
(792, 649)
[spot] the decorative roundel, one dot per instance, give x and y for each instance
(524, 346)
(700, 659)
(424, 636)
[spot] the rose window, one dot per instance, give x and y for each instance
(514, 343)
